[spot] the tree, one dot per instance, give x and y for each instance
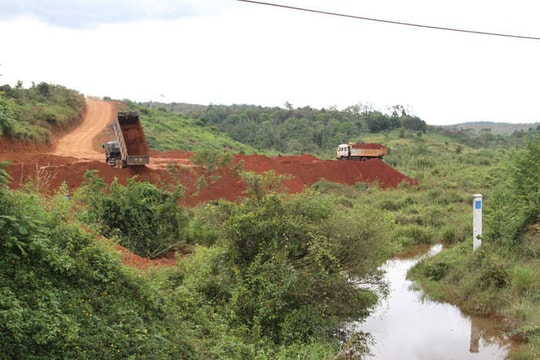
(516, 203)
(5, 178)
(413, 123)
(260, 186)
(293, 261)
(288, 105)
(6, 116)
(377, 122)
(212, 162)
(44, 89)
(525, 175)
(485, 137)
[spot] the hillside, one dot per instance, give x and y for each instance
(495, 128)
(36, 115)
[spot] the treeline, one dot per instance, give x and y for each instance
(301, 130)
(33, 114)
(304, 129)
(317, 131)
(487, 138)
(167, 130)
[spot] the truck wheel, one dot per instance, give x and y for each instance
(364, 159)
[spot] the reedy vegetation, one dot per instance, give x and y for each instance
(503, 275)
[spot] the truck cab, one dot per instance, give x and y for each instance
(130, 147)
(343, 151)
(112, 152)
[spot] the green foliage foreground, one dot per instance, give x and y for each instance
(277, 278)
(65, 295)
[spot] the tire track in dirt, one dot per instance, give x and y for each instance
(79, 142)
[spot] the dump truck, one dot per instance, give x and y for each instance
(361, 152)
(130, 147)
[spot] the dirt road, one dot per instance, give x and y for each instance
(78, 143)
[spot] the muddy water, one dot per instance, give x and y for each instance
(406, 326)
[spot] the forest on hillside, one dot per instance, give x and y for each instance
(308, 130)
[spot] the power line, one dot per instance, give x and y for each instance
(392, 22)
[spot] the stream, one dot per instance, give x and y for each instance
(407, 326)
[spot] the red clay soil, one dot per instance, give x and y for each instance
(76, 153)
(367, 146)
(138, 262)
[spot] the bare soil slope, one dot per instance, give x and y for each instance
(75, 153)
(78, 143)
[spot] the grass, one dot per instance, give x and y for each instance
(166, 131)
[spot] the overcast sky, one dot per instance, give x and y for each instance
(232, 52)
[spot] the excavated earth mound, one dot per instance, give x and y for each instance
(48, 172)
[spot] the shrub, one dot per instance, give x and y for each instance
(522, 279)
(143, 218)
(494, 273)
(414, 234)
(65, 295)
(292, 262)
(436, 270)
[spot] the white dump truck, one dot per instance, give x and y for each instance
(361, 152)
(130, 147)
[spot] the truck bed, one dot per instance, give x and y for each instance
(135, 141)
(136, 151)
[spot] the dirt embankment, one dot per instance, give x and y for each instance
(77, 152)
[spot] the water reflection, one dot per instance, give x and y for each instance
(407, 326)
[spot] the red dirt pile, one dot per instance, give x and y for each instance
(50, 171)
(368, 146)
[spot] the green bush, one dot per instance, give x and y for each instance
(206, 222)
(143, 218)
(493, 271)
(410, 234)
(36, 112)
(436, 270)
(523, 280)
(284, 273)
(64, 295)
(525, 177)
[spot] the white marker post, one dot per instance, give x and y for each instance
(477, 221)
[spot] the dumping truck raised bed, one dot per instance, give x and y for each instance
(361, 152)
(130, 147)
